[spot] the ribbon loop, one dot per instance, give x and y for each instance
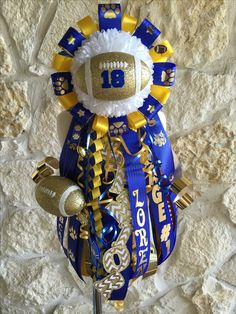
(87, 26)
(129, 23)
(147, 32)
(71, 41)
(164, 73)
(62, 83)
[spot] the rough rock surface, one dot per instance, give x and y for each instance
(31, 226)
(44, 127)
(229, 200)
(227, 272)
(208, 153)
(16, 182)
(68, 309)
(199, 277)
(5, 59)
(203, 244)
(198, 98)
(175, 302)
(22, 18)
(34, 282)
(75, 10)
(197, 29)
(214, 297)
(15, 108)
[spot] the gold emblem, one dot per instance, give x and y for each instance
(61, 85)
(72, 233)
(77, 128)
(71, 40)
(110, 11)
(168, 77)
(151, 108)
(118, 127)
(119, 305)
(80, 113)
(71, 255)
(165, 232)
(159, 139)
(76, 136)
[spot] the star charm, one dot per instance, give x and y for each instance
(150, 108)
(71, 40)
(80, 113)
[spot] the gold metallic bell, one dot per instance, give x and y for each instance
(45, 167)
(59, 196)
(181, 188)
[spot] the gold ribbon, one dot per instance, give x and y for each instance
(69, 100)
(136, 120)
(128, 23)
(87, 26)
(100, 124)
(162, 57)
(61, 63)
(160, 93)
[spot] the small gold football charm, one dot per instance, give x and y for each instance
(59, 196)
(113, 76)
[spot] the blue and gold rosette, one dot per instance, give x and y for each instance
(123, 163)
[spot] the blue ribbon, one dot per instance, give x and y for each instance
(138, 203)
(150, 107)
(62, 83)
(164, 73)
(118, 126)
(109, 16)
(71, 41)
(75, 245)
(147, 32)
(160, 145)
(162, 208)
(69, 169)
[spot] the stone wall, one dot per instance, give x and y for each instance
(200, 276)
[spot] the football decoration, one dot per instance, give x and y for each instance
(59, 196)
(110, 71)
(120, 182)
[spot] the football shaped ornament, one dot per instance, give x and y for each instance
(113, 78)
